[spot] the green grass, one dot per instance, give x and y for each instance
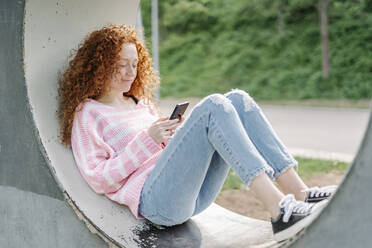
(307, 168)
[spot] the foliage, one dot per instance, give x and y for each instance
(270, 49)
(307, 168)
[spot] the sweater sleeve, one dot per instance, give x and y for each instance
(104, 169)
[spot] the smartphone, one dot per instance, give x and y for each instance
(179, 110)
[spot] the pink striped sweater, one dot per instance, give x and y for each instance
(113, 150)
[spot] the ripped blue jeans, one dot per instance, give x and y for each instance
(221, 132)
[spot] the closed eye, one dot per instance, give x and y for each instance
(135, 65)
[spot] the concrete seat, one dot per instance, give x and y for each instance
(43, 194)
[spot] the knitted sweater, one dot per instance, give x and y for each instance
(113, 150)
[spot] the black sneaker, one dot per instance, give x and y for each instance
(294, 217)
(316, 194)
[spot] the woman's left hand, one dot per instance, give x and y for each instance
(181, 119)
(173, 130)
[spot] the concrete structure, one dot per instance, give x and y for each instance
(347, 220)
(44, 200)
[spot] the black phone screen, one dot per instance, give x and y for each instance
(179, 110)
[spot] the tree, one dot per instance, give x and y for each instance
(323, 15)
(280, 21)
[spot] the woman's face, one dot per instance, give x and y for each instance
(127, 68)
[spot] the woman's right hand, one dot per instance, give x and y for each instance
(162, 129)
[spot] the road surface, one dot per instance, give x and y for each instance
(333, 133)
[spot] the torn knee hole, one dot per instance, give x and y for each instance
(220, 99)
(247, 99)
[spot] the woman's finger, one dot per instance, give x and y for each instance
(166, 132)
(166, 136)
(161, 119)
(174, 126)
(171, 127)
(166, 127)
(172, 121)
(168, 124)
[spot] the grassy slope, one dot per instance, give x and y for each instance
(307, 169)
(213, 46)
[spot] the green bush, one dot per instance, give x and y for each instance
(212, 46)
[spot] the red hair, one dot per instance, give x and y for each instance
(91, 69)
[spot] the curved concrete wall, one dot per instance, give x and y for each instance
(33, 210)
(347, 220)
(37, 174)
(51, 30)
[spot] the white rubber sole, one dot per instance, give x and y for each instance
(299, 226)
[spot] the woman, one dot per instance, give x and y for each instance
(170, 170)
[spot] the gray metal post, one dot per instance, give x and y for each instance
(139, 24)
(155, 41)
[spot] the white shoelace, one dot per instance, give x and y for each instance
(320, 192)
(290, 205)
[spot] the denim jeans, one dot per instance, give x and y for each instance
(222, 131)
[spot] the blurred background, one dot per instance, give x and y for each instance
(272, 49)
(307, 63)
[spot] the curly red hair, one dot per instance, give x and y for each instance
(95, 62)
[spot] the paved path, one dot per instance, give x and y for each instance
(333, 133)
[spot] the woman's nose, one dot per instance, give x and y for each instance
(131, 71)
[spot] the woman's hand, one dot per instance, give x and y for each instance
(172, 131)
(162, 129)
(182, 119)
